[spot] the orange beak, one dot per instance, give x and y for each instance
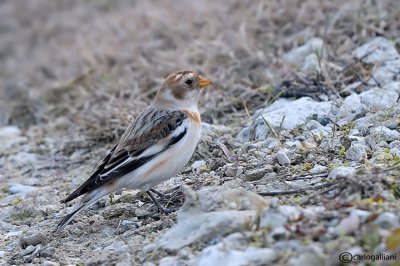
(204, 82)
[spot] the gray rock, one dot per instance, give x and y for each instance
(393, 86)
(232, 170)
(210, 213)
(356, 152)
(375, 51)
(48, 252)
(15, 188)
(197, 166)
(385, 134)
(23, 158)
(378, 99)
(305, 56)
(318, 169)
(342, 171)
(312, 63)
(219, 255)
(289, 114)
(348, 225)
(272, 218)
(244, 134)
(9, 136)
(50, 263)
(292, 213)
(307, 258)
(270, 143)
(32, 239)
(351, 107)
(362, 214)
(387, 220)
(169, 261)
(256, 174)
(382, 52)
(282, 158)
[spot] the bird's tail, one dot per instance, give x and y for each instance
(86, 201)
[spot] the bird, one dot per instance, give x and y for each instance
(154, 148)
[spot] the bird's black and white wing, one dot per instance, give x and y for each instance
(154, 131)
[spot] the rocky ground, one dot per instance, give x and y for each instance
(300, 155)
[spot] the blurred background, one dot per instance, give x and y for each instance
(91, 63)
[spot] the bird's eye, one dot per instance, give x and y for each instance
(189, 82)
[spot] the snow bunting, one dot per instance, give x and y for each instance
(155, 147)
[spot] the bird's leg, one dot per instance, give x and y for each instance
(159, 206)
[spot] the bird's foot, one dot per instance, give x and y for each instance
(159, 206)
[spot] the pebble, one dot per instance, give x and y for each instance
(197, 166)
(219, 255)
(387, 220)
(50, 263)
(318, 169)
(272, 219)
(32, 239)
(378, 99)
(289, 114)
(270, 143)
(15, 188)
(385, 134)
(257, 174)
(356, 152)
(9, 136)
(169, 261)
(282, 158)
(348, 225)
(362, 214)
(393, 86)
(48, 252)
(342, 171)
(307, 258)
(305, 55)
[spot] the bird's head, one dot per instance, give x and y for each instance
(181, 89)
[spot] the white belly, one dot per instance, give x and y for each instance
(165, 165)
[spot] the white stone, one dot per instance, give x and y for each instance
(356, 152)
(169, 261)
(393, 86)
(197, 165)
(290, 114)
(293, 213)
(219, 255)
(383, 54)
(271, 218)
(209, 213)
(377, 50)
(362, 214)
(384, 133)
(312, 63)
(23, 158)
(351, 107)
(9, 136)
(318, 169)
(282, 158)
(387, 220)
(378, 99)
(342, 171)
(298, 55)
(16, 188)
